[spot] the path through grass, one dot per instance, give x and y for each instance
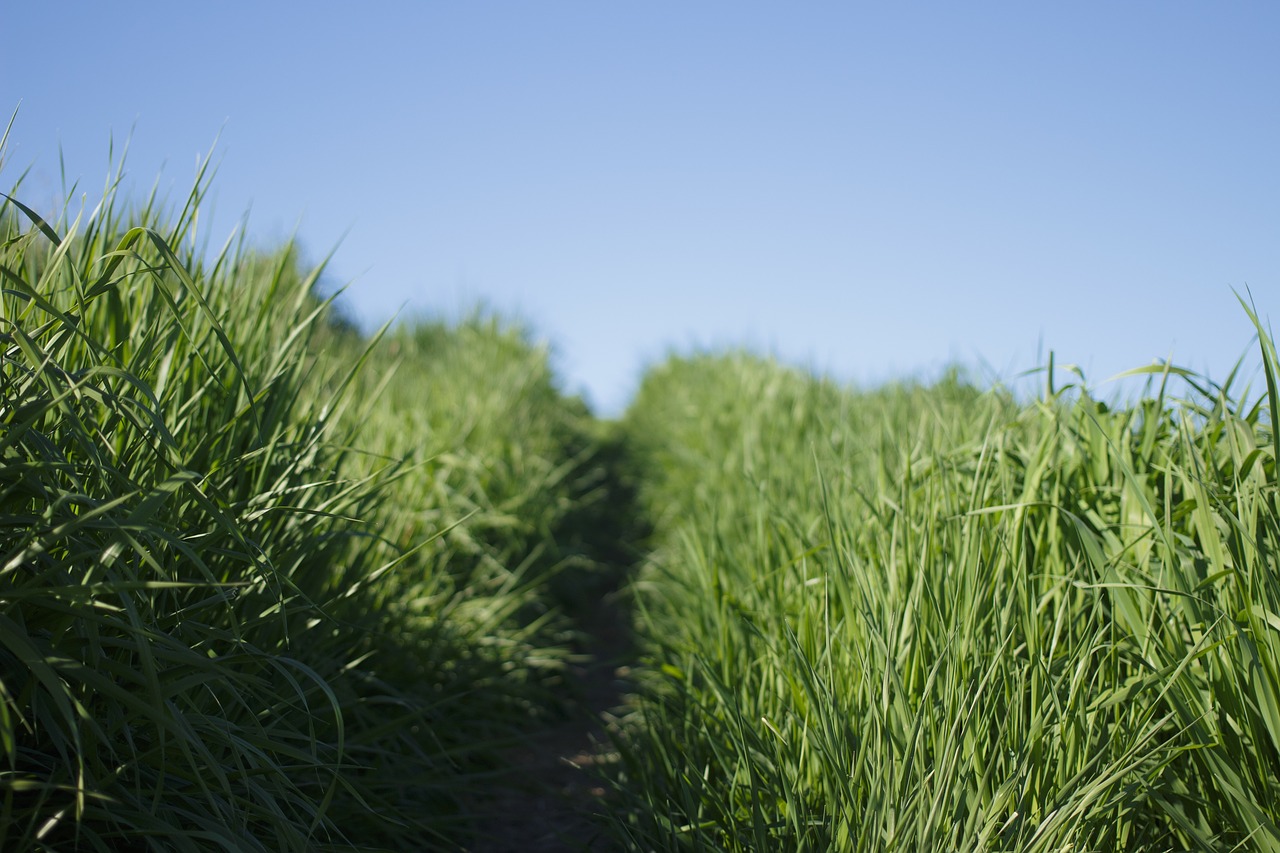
(269, 584)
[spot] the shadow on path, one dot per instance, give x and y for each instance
(551, 789)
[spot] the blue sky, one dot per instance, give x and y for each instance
(870, 189)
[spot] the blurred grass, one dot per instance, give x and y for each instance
(267, 584)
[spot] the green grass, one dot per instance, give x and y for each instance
(249, 600)
(931, 618)
(268, 583)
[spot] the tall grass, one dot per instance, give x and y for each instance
(240, 609)
(270, 584)
(932, 618)
(505, 462)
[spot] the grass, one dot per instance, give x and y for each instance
(933, 618)
(268, 583)
(248, 601)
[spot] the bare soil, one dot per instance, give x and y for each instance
(551, 799)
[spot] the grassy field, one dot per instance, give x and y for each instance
(934, 618)
(272, 584)
(267, 584)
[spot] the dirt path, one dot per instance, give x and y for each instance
(555, 790)
(549, 800)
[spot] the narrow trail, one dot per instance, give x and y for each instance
(548, 800)
(554, 788)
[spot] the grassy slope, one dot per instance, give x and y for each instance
(268, 585)
(927, 618)
(248, 603)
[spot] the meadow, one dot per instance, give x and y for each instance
(271, 583)
(938, 618)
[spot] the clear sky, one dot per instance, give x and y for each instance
(872, 189)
